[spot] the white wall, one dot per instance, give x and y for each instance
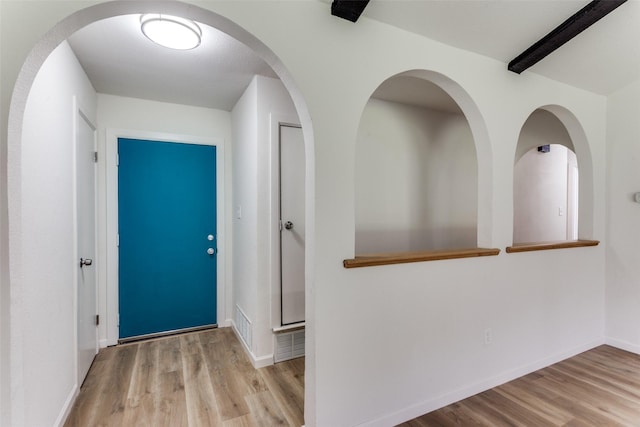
(5, 406)
(540, 195)
(5, 378)
(139, 114)
(416, 180)
(273, 101)
(253, 260)
(43, 340)
(386, 343)
(118, 114)
(623, 225)
(244, 121)
(395, 341)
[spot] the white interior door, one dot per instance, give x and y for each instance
(86, 234)
(292, 234)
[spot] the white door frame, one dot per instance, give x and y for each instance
(111, 220)
(277, 120)
(79, 114)
(573, 190)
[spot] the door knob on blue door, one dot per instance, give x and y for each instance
(211, 251)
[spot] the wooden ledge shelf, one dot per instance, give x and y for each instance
(544, 246)
(406, 257)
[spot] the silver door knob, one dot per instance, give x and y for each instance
(85, 261)
(288, 225)
(211, 251)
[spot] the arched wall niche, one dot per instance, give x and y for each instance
(542, 127)
(422, 146)
(557, 127)
(484, 149)
(19, 308)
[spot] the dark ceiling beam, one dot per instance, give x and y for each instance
(583, 19)
(348, 9)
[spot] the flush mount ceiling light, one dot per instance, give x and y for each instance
(171, 31)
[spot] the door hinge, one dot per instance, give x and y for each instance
(117, 159)
(97, 319)
(95, 157)
(117, 240)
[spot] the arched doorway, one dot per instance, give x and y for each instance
(21, 286)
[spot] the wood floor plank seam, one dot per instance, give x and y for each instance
(206, 379)
(553, 414)
(195, 379)
(607, 383)
(586, 398)
(597, 388)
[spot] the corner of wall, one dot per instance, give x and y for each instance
(622, 288)
(66, 408)
(5, 407)
(48, 116)
(244, 332)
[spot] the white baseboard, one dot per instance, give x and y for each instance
(263, 361)
(422, 408)
(623, 345)
(66, 408)
(257, 362)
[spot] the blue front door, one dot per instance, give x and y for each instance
(167, 228)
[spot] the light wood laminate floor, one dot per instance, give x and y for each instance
(196, 379)
(600, 387)
(205, 379)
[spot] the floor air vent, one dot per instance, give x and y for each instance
(289, 345)
(243, 326)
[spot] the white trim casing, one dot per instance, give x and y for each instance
(78, 113)
(110, 228)
(276, 120)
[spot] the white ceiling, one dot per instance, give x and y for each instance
(602, 59)
(119, 60)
